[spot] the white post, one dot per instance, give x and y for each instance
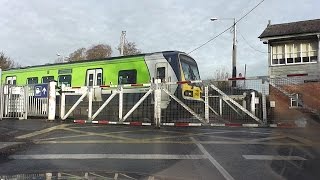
(0, 76)
(1, 96)
(157, 104)
(120, 103)
(220, 106)
(318, 52)
(26, 101)
(206, 103)
(264, 101)
(62, 102)
(253, 103)
(90, 94)
(244, 102)
(52, 101)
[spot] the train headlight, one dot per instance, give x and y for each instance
(188, 93)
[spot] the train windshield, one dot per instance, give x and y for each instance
(189, 68)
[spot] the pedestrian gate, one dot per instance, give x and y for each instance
(21, 102)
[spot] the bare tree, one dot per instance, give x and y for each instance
(99, 51)
(220, 78)
(130, 48)
(221, 75)
(6, 62)
(78, 55)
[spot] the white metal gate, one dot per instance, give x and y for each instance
(13, 100)
(20, 102)
(37, 107)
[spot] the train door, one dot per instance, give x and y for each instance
(162, 73)
(11, 80)
(94, 77)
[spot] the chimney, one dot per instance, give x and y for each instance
(269, 23)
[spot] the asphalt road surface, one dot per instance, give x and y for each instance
(54, 150)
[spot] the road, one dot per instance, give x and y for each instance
(126, 152)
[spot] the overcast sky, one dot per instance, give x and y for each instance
(34, 31)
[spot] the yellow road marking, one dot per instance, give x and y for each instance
(113, 141)
(226, 138)
(187, 135)
(84, 135)
(300, 139)
(97, 134)
(268, 138)
(42, 131)
(62, 137)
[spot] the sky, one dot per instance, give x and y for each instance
(34, 31)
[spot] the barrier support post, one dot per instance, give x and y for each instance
(157, 104)
(62, 102)
(52, 101)
(206, 103)
(120, 103)
(90, 94)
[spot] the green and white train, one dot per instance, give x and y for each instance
(169, 66)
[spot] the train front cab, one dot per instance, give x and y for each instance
(189, 72)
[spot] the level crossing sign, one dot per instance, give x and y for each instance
(41, 90)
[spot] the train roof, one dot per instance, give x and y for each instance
(93, 60)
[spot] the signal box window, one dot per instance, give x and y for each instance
(47, 79)
(32, 80)
(127, 77)
(65, 79)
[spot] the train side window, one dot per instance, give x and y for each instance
(47, 79)
(90, 79)
(65, 79)
(99, 78)
(161, 73)
(11, 80)
(127, 77)
(32, 80)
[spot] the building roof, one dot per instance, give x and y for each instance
(292, 28)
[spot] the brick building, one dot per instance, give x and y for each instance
(294, 48)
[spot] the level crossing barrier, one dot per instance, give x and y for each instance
(155, 103)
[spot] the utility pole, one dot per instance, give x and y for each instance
(234, 49)
(122, 42)
(234, 54)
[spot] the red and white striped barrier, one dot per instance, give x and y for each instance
(112, 122)
(126, 85)
(182, 124)
(184, 82)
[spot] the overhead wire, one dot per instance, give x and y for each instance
(264, 52)
(213, 38)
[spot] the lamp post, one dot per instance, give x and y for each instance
(234, 48)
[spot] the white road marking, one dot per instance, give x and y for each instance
(107, 156)
(273, 157)
(142, 141)
(225, 173)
